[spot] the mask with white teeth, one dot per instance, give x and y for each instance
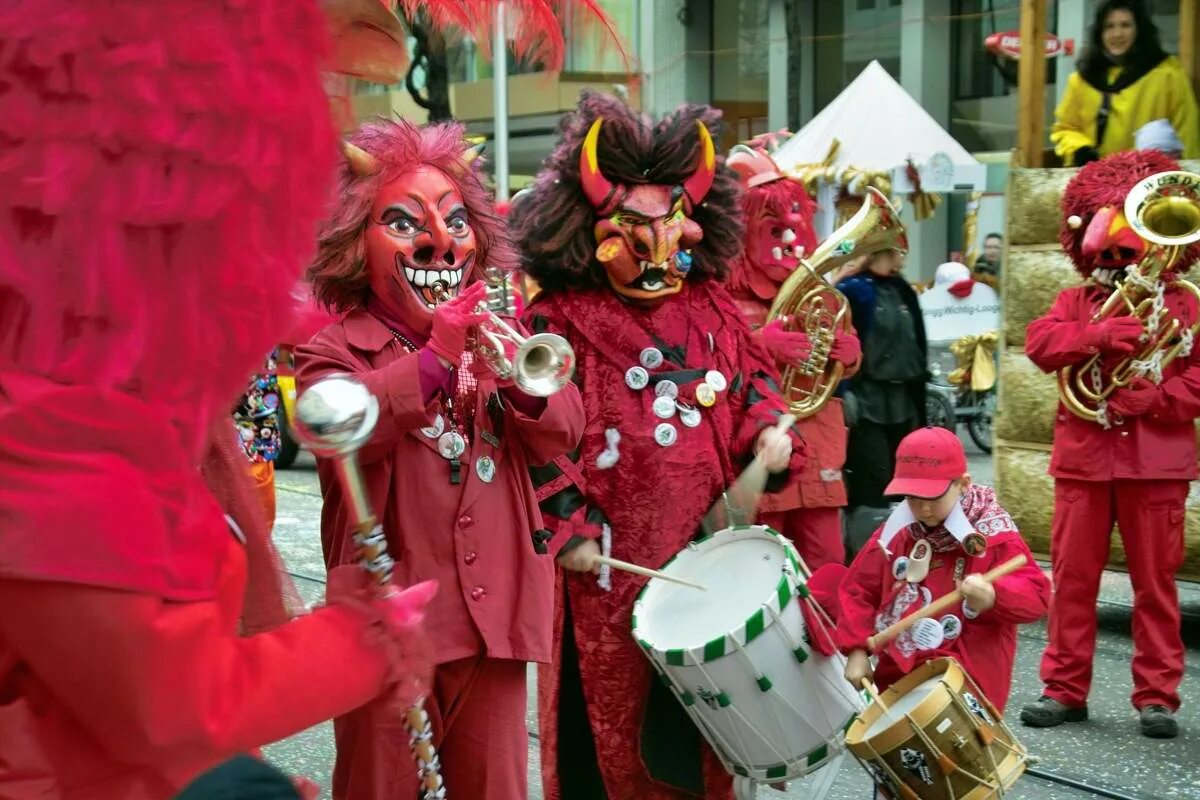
(419, 245)
(644, 233)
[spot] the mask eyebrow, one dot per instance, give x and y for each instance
(397, 210)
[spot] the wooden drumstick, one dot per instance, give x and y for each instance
(941, 604)
(625, 566)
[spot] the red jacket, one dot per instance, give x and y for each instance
(872, 597)
(495, 592)
(122, 672)
(1157, 445)
(818, 482)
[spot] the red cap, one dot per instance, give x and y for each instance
(928, 460)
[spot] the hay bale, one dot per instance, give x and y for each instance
(1032, 279)
(1033, 204)
(1027, 493)
(1028, 400)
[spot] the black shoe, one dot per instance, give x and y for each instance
(1047, 712)
(1158, 723)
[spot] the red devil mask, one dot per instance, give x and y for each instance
(418, 236)
(645, 233)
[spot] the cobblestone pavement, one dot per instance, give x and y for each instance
(1106, 751)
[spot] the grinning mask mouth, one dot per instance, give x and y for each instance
(419, 244)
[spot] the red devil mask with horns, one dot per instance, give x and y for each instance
(645, 232)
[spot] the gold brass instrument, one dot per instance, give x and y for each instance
(540, 365)
(1164, 209)
(810, 304)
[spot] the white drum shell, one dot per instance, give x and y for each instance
(772, 730)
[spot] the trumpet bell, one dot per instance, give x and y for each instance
(543, 364)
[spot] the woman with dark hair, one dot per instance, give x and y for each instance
(1124, 82)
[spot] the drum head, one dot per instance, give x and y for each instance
(905, 704)
(741, 568)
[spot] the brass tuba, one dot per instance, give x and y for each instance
(810, 304)
(1164, 209)
(540, 365)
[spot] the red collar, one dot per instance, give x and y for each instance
(365, 332)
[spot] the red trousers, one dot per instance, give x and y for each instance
(477, 708)
(816, 533)
(1150, 517)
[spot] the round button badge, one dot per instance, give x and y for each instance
(716, 380)
(667, 389)
(706, 395)
(665, 434)
(651, 358)
(451, 445)
(689, 417)
(928, 634)
(636, 378)
(664, 407)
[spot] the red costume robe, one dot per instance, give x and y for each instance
(146, 681)
(874, 594)
(476, 538)
(652, 499)
(1134, 474)
(806, 510)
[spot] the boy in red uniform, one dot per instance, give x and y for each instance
(944, 535)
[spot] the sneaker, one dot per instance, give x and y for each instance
(1158, 722)
(1047, 712)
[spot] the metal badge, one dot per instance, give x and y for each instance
(974, 544)
(651, 358)
(485, 468)
(636, 378)
(451, 445)
(716, 380)
(435, 430)
(689, 416)
(900, 568)
(665, 434)
(706, 395)
(951, 626)
(928, 634)
(667, 389)
(664, 407)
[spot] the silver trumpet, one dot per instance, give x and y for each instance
(334, 418)
(541, 364)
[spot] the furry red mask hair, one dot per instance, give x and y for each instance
(1099, 236)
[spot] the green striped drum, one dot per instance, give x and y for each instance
(738, 655)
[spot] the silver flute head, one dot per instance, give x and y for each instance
(335, 416)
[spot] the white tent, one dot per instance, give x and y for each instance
(880, 128)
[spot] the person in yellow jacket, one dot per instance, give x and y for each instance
(1124, 81)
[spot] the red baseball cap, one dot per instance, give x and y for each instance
(928, 460)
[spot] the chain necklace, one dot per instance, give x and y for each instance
(452, 443)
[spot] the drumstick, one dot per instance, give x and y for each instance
(649, 573)
(741, 498)
(941, 604)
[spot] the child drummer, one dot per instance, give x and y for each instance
(944, 535)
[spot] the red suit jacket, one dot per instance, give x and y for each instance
(873, 597)
(818, 483)
(476, 538)
(1154, 446)
(122, 672)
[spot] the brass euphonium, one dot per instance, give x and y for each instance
(810, 304)
(540, 364)
(1164, 209)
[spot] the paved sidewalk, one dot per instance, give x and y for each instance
(1106, 750)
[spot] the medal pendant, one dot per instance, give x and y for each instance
(451, 445)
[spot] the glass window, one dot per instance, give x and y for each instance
(740, 33)
(591, 49)
(847, 42)
(984, 103)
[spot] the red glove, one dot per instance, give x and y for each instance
(453, 320)
(1133, 400)
(1118, 335)
(786, 347)
(846, 348)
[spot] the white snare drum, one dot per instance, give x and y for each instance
(737, 656)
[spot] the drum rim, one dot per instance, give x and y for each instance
(814, 759)
(947, 669)
(789, 587)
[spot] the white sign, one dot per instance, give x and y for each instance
(949, 318)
